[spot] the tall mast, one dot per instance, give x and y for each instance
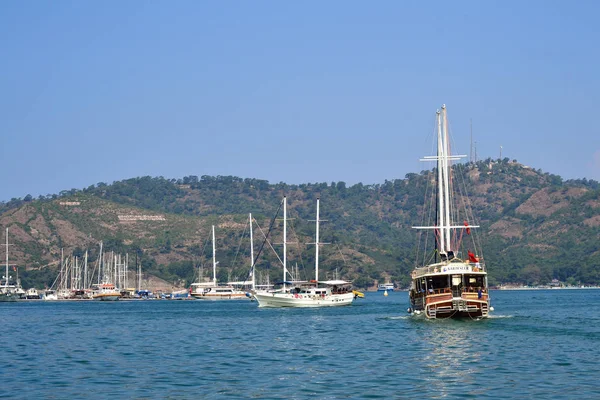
(471, 148)
(6, 276)
(100, 269)
(114, 267)
(85, 272)
(252, 254)
(317, 245)
(440, 167)
(214, 257)
(139, 271)
(76, 274)
(446, 147)
(284, 240)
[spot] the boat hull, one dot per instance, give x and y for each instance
(107, 296)
(217, 297)
(299, 300)
(8, 297)
(454, 289)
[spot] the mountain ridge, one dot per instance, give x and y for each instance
(535, 226)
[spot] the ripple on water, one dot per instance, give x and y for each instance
(531, 347)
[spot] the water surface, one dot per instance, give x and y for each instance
(537, 344)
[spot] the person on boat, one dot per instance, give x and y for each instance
(479, 293)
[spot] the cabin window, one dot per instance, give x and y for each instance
(456, 280)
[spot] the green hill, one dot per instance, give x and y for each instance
(535, 227)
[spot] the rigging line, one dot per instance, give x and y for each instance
(239, 245)
(265, 239)
(202, 255)
(297, 242)
(270, 245)
(475, 237)
(341, 254)
(420, 237)
(93, 271)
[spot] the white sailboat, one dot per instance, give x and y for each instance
(105, 290)
(8, 288)
(444, 285)
(306, 294)
(212, 290)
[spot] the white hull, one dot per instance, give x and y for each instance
(217, 297)
(50, 296)
(300, 300)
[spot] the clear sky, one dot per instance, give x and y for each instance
(295, 92)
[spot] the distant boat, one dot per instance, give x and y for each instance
(307, 294)
(212, 290)
(9, 290)
(451, 281)
(50, 295)
(32, 294)
(382, 287)
(105, 292)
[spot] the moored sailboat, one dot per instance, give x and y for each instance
(446, 284)
(8, 289)
(306, 294)
(212, 290)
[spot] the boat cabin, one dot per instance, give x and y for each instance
(456, 284)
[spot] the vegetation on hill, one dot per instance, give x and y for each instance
(535, 227)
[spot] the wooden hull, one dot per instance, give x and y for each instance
(446, 306)
(107, 296)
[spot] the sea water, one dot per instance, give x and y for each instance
(537, 344)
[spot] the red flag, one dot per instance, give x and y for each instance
(468, 229)
(472, 257)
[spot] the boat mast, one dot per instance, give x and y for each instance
(6, 276)
(85, 271)
(214, 257)
(284, 240)
(100, 269)
(139, 270)
(317, 245)
(446, 148)
(440, 168)
(252, 254)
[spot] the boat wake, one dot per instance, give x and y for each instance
(398, 317)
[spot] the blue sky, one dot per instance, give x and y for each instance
(290, 91)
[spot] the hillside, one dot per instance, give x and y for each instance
(534, 226)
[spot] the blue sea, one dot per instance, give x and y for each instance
(538, 344)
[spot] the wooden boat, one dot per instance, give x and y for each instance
(451, 280)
